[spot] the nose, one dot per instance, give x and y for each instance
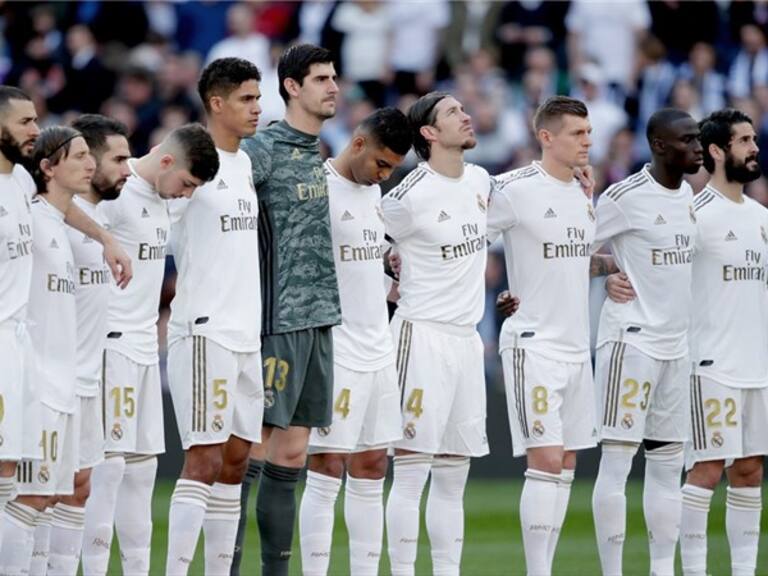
(34, 131)
(333, 88)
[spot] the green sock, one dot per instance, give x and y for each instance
(276, 514)
(251, 476)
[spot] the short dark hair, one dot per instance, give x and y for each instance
(296, 62)
(717, 129)
(223, 76)
(390, 128)
(661, 119)
(8, 93)
(423, 113)
(53, 144)
(96, 128)
(554, 108)
(198, 149)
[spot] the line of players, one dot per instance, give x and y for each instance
(429, 368)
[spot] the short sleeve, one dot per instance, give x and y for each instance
(501, 212)
(260, 155)
(611, 221)
(398, 219)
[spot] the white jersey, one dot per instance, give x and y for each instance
(438, 225)
(363, 341)
(729, 320)
(139, 220)
(52, 308)
(215, 243)
(16, 191)
(548, 227)
(92, 277)
(651, 230)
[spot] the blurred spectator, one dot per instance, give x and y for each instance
(743, 12)
(607, 33)
(758, 190)
(44, 25)
(136, 88)
(201, 25)
(685, 97)
(523, 25)
(499, 132)
(242, 41)
(542, 60)
(365, 45)
(416, 29)
(161, 18)
(471, 29)
(119, 22)
(619, 161)
(673, 24)
(706, 81)
(750, 67)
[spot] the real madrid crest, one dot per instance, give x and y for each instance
(44, 474)
(324, 431)
(591, 213)
(269, 399)
(410, 431)
(482, 204)
(538, 428)
(627, 422)
(117, 432)
(717, 440)
(218, 423)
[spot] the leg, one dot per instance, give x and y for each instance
(68, 524)
(20, 526)
(223, 513)
(411, 471)
(202, 465)
(364, 510)
(276, 501)
(255, 464)
(742, 514)
(697, 492)
(317, 511)
(42, 542)
(100, 513)
(133, 513)
(609, 503)
(662, 503)
(567, 474)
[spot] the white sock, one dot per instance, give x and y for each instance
(538, 506)
(7, 493)
(445, 514)
(693, 529)
(609, 504)
(18, 528)
(41, 549)
(402, 511)
(220, 528)
(100, 513)
(185, 518)
(316, 522)
(561, 507)
(364, 516)
(66, 540)
(662, 505)
(133, 513)
(742, 524)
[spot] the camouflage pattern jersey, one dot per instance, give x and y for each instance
(298, 276)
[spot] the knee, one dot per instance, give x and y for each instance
(449, 476)
(369, 466)
(202, 464)
(82, 492)
(746, 472)
(706, 474)
(327, 464)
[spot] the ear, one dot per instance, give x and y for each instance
(717, 153)
(215, 103)
(429, 133)
(167, 161)
(292, 87)
(358, 144)
(46, 167)
(544, 137)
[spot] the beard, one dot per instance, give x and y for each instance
(740, 172)
(11, 149)
(106, 190)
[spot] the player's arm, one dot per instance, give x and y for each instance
(619, 288)
(116, 258)
(501, 212)
(602, 265)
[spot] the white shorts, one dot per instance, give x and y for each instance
(366, 412)
(216, 392)
(441, 377)
(640, 397)
(89, 430)
(55, 473)
(132, 406)
(726, 423)
(549, 403)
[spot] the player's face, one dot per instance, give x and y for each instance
(683, 147)
(240, 110)
(112, 168)
(453, 126)
(741, 163)
(570, 144)
(175, 181)
(317, 93)
(372, 163)
(18, 130)
(74, 172)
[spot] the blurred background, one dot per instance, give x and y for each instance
(139, 62)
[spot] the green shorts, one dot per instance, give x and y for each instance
(298, 378)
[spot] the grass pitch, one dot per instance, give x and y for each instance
(492, 544)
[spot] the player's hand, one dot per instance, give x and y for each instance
(586, 177)
(619, 288)
(395, 263)
(119, 262)
(394, 292)
(507, 304)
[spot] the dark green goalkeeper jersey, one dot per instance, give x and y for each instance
(299, 289)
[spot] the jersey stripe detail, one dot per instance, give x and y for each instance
(104, 391)
(519, 386)
(410, 181)
(697, 404)
(702, 200)
(611, 409)
(521, 174)
(268, 265)
(194, 383)
(627, 186)
(403, 356)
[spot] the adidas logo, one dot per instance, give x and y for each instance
(3, 211)
(730, 236)
(442, 217)
(54, 244)
(144, 213)
(222, 185)
(660, 220)
(550, 213)
(346, 216)
(295, 155)
(87, 239)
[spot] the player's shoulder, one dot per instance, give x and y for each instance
(705, 200)
(416, 176)
(259, 144)
(517, 179)
(626, 190)
(477, 172)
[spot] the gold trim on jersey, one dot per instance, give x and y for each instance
(403, 356)
(104, 392)
(518, 378)
(611, 408)
(698, 423)
(199, 391)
